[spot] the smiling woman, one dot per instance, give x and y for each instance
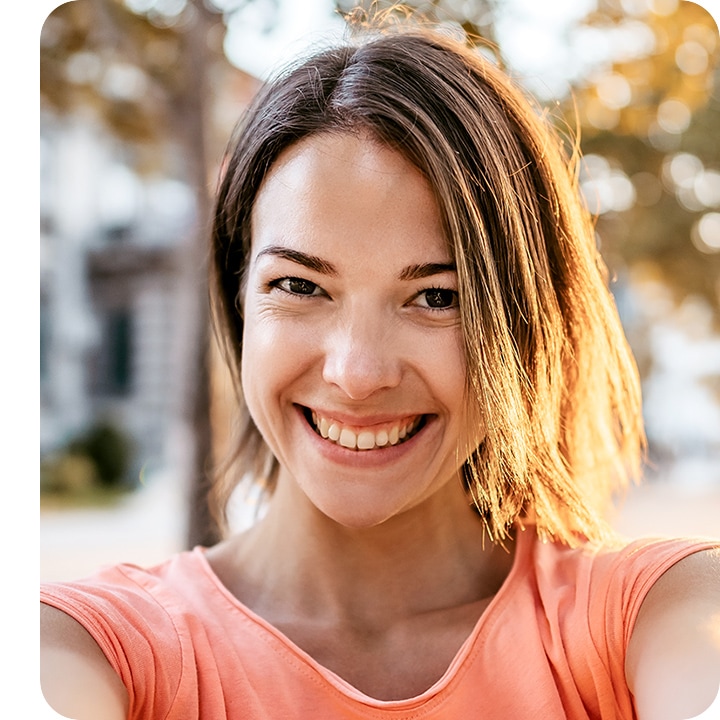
(370, 334)
(534, 310)
(437, 393)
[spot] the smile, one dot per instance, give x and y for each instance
(358, 438)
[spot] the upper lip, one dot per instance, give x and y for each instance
(363, 421)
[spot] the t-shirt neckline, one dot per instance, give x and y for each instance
(452, 674)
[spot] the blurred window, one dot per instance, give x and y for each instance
(114, 362)
(44, 339)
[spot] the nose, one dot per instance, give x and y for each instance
(361, 357)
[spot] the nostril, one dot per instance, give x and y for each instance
(362, 374)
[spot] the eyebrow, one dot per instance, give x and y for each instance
(412, 272)
(309, 261)
(417, 272)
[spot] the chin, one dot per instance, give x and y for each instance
(361, 508)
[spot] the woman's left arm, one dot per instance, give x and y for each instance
(673, 660)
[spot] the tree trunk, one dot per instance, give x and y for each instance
(190, 114)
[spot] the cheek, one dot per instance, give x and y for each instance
(451, 365)
(260, 364)
(273, 356)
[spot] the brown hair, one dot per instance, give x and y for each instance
(549, 368)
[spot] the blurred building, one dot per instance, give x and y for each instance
(137, 104)
(110, 243)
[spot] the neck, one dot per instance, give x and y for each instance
(432, 557)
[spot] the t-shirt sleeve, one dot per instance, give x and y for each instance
(621, 580)
(135, 631)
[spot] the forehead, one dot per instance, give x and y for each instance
(347, 191)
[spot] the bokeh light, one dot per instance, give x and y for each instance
(706, 233)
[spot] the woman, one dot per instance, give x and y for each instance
(438, 395)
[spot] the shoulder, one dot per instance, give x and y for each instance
(673, 658)
(118, 603)
(603, 597)
(75, 676)
(651, 608)
(616, 575)
(122, 634)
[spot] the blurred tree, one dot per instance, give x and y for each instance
(650, 122)
(475, 17)
(148, 70)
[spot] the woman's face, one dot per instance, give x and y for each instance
(352, 365)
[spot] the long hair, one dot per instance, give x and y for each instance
(549, 370)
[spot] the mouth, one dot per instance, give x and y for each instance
(363, 439)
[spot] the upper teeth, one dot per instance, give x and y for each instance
(364, 439)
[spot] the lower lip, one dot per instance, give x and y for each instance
(361, 458)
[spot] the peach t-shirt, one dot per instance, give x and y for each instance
(551, 644)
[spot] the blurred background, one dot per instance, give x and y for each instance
(138, 99)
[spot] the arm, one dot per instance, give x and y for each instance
(673, 659)
(76, 678)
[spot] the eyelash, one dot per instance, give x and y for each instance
(454, 294)
(280, 283)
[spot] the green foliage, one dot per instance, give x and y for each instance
(90, 469)
(136, 74)
(109, 449)
(668, 108)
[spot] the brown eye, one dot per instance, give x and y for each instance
(297, 286)
(438, 298)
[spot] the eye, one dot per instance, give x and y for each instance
(438, 298)
(296, 286)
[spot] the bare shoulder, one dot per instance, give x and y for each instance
(673, 659)
(76, 679)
